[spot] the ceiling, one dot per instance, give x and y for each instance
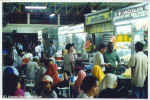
(70, 13)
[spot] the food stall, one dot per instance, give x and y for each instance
(49, 34)
(131, 25)
(72, 34)
(99, 26)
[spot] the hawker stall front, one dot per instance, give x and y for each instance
(99, 26)
(131, 25)
(72, 34)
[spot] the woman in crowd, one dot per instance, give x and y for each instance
(46, 89)
(69, 59)
(18, 92)
(11, 83)
(108, 86)
(52, 71)
(78, 82)
(90, 87)
(97, 72)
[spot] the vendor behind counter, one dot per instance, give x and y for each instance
(110, 56)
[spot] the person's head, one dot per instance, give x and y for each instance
(36, 59)
(102, 48)
(90, 85)
(66, 75)
(29, 56)
(81, 75)
(110, 47)
(51, 43)
(109, 81)
(47, 82)
(11, 84)
(69, 48)
(25, 61)
(139, 46)
(97, 72)
(48, 62)
(39, 43)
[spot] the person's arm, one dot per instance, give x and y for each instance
(97, 59)
(118, 58)
(131, 62)
(54, 50)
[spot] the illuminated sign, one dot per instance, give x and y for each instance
(129, 13)
(98, 18)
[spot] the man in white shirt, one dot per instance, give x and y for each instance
(98, 58)
(38, 49)
(139, 65)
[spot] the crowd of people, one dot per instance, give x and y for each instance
(28, 75)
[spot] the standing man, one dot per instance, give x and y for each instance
(110, 56)
(98, 58)
(69, 59)
(52, 49)
(139, 67)
(38, 49)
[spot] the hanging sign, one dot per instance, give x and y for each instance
(98, 18)
(130, 13)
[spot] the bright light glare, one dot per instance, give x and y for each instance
(52, 15)
(35, 7)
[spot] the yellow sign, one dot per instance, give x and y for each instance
(98, 18)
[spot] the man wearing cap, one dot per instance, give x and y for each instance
(68, 59)
(139, 67)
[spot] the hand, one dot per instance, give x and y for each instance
(109, 64)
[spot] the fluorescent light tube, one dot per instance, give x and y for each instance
(35, 7)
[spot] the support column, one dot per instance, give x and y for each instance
(58, 19)
(28, 18)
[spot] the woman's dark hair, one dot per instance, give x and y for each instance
(101, 46)
(46, 62)
(68, 46)
(139, 46)
(51, 41)
(10, 83)
(88, 83)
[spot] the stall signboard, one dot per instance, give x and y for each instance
(71, 29)
(76, 29)
(130, 13)
(98, 18)
(63, 30)
(103, 27)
